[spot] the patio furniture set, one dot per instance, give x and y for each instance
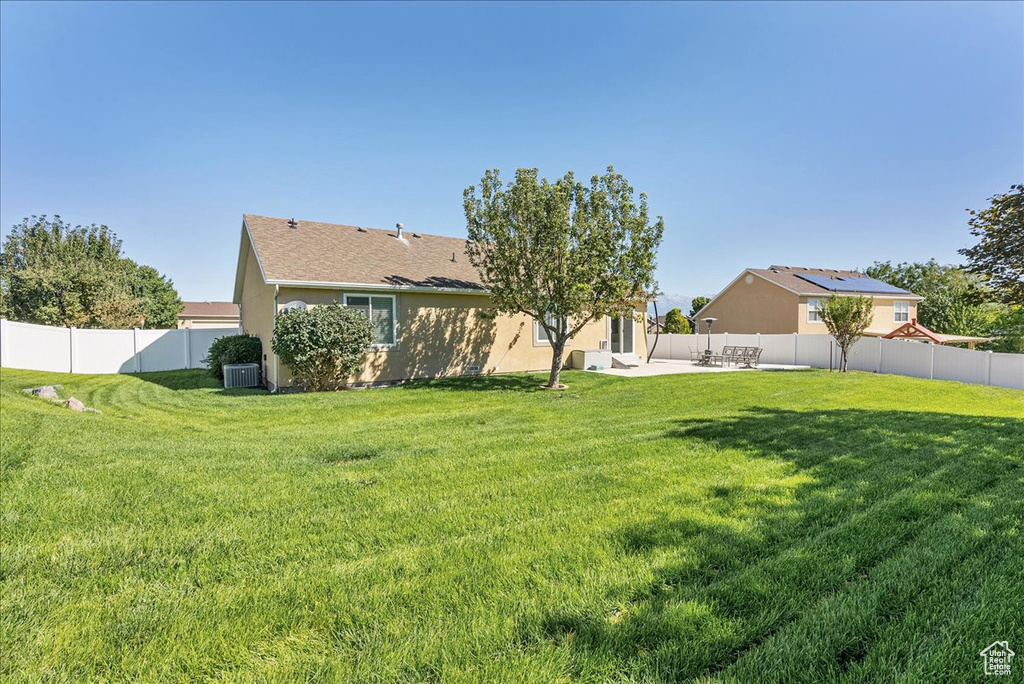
(747, 357)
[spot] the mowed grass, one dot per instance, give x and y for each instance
(743, 527)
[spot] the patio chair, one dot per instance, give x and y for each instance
(695, 354)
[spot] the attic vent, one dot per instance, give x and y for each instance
(293, 224)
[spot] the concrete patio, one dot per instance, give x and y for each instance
(676, 367)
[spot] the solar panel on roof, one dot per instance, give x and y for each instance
(848, 284)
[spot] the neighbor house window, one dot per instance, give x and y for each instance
(381, 312)
(540, 335)
(902, 312)
(814, 311)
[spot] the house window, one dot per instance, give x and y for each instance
(901, 312)
(540, 335)
(380, 310)
(814, 311)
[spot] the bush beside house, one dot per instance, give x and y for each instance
(322, 345)
(233, 349)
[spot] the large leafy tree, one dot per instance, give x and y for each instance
(158, 300)
(999, 254)
(954, 299)
(54, 273)
(564, 253)
(846, 319)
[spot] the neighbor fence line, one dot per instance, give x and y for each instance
(873, 354)
(86, 350)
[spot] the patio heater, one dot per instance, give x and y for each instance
(709, 321)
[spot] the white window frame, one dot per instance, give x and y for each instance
(539, 341)
(896, 312)
(816, 310)
(394, 314)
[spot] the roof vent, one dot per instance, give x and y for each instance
(453, 257)
(399, 227)
(293, 224)
(360, 230)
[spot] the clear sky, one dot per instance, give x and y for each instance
(826, 135)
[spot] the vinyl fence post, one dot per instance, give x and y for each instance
(796, 338)
(188, 348)
(135, 348)
(878, 367)
(931, 368)
(72, 348)
(725, 339)
(988, 372)
(3, 341)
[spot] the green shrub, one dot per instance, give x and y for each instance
(322, 345)
(233, 349)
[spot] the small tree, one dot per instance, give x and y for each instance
(563, 253)
(322, 345)
(676, 323)
(698, 303)
(846, 319)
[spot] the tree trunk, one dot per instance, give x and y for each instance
(557, 349)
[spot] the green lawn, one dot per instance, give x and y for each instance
(740, 527)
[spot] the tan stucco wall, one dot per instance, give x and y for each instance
(881, 324)
(444, 334)
(757, 307)
(257, 312)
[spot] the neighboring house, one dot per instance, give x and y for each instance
(432, 316)
(208, 315)
(655, 325)
(786, 299)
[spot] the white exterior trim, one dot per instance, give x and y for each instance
(240, 267)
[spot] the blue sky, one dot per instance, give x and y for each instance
(826, 135)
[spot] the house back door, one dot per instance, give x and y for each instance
(621, 335)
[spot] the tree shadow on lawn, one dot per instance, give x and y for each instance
(736, 566)
(480, 383)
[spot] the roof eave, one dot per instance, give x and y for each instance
(317, 284)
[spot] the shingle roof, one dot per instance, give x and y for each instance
(192, 309)
(313, 252)
(786, 276)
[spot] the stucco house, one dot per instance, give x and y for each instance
(786, 299)
(208, 315)
(432, 316)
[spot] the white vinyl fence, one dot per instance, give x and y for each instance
(872, 354)
(75, 350)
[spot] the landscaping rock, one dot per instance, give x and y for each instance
(44, 392)
(74, 404)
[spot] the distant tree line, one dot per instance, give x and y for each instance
(984, 297)
(52, 273)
